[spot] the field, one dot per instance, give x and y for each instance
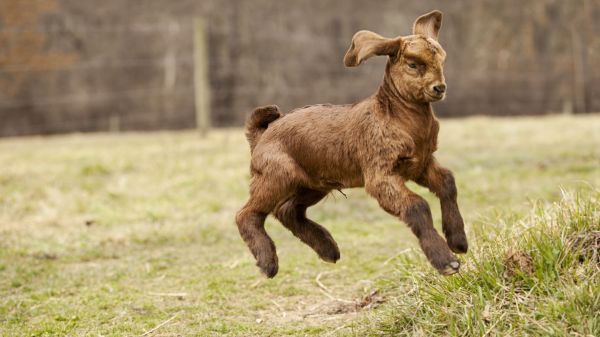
(133, 234)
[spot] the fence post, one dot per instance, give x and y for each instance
(201, 83)
(114, 124)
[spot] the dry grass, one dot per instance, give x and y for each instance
(117, 234)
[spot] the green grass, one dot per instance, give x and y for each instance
(116, 234)
(536, 280)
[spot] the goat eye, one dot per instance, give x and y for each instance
(412, 65)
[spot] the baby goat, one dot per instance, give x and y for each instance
(379, 143)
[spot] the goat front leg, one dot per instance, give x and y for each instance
(395, 198)
(440, 181)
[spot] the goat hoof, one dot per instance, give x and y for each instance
(269, 268)
(331, 254)
(450, 268)
(458, 243)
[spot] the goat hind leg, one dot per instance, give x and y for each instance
(264, 195)
(292, 214)
(250, 224)
(270, 191)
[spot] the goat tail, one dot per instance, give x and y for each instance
(258, 121)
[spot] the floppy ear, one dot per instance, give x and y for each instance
(366, 44)
(428, 24)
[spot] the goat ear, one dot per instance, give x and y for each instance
(428, 24)
(366, 44)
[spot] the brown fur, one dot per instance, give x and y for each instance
(379, 143)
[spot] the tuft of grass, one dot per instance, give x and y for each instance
(531, 281)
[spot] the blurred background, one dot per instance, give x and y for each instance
(114, 65)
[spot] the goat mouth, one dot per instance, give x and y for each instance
(434, 97)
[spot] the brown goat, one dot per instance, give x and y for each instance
(379, 143)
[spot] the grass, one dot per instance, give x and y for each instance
(535, 281)
(117, 235)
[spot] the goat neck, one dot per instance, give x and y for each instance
(393, 104)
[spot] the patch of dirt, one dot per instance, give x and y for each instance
(516, 262)
(312, 312)
(586, 245)
(369, 301)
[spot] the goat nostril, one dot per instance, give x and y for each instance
(440, 88)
